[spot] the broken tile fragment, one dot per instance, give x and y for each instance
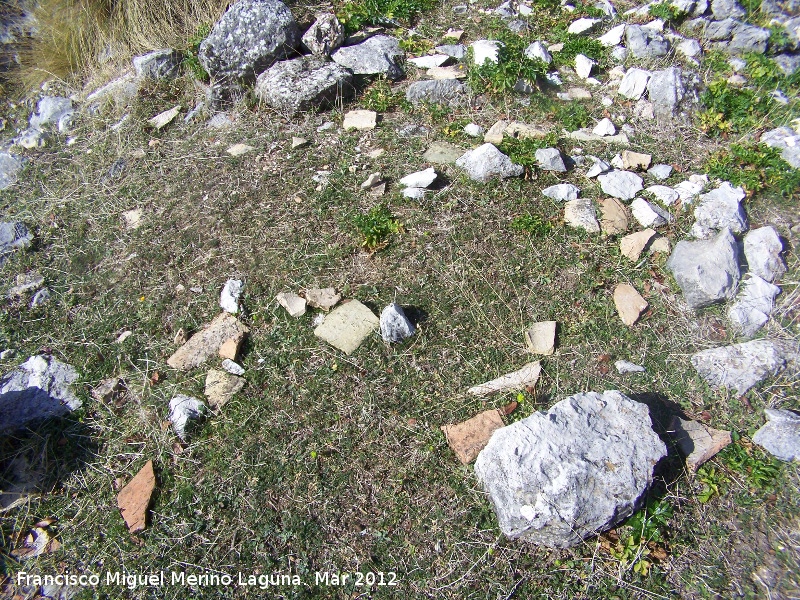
(134, 498)
(630, 304)
(468, 438)
(697, 442)
(294, 304)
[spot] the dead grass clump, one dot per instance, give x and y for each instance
(74, 37)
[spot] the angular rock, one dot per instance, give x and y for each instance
(549, 159)
(584, 66)
(305, 83)
(10, 166)
(183, 410)
(762, 249)
(443, 153)
(697, 442)
(229, 297)
(748, 38)
(414, 193)
(624, 367)
(429, 61)
(158, 64)
(621, 184)
(780, 435)
(541, 338)
(720, 209)
(232, 367)
(523, 131)
(134, 498)
(109, 390)
(526, 376)
(634, 83)
(787, 63)
(207, 342)
(248, 39)
(726, 9)
(239, 150)
(395, 326)
(598, 167)
(347, 326)
(467, 439)
(562, 192)
(360, 120)
(556, 478)
(719, 30)
(40, 297)
(634, 244)
(474, 130)
(787, 141)
(753, 306)
(614, 36)
(485, 50)
(643, 42)
(665, 195)
(667, 92)
(53, 112)
(649, 215)
(634, 161)
(582, 25)
(322, 298)
(294, 304)
(495, 133)
(604, 127)
(163, 119)
(580, 214)
(378, 55)
(707, 271)
(689, 190)
(448, 92)
(690, 48)
(229, 349)
(538, 51)
(457, 51)
(420, 179)
(325, 36)
(221, 387)
(486, 162)
(38, 389)
(614, 216)
(741, 366)
(630, 304)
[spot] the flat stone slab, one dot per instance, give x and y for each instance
(780, 435)
(614, 216)
(163, 119)
(206, 343)
(134, 498)
(443, 153)
(221, 387)
(621, 184)
(697, 442)
(468, 438)
(361, 120)
(294, 304)
(580, 214)
(630, 304)
(541, 338)
(322, 298)
(527, 375)
(634, 244)
(347, 326)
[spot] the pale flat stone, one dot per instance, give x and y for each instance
(634, 244)
(527, 375)
(347, 326)
(132, 218)
(163, 119)
(452, 72)
(584, 66)
(649, 215)
(232, 367)
(523, 131)
(621, 184)
(634, 83)
(604, 127)
(361, 120)
(371, 181)
(614, 216)
(780, 435)
(582, 25)
(430, 61)
(229, 350)
(624, 367)
(421, 179)
(485, 50)
(298, 142)
(207, 342)
(630, 304)
(468, 438)
(221, 387)
(666, 195)
(580, 214)
(660, 244)
(635, 161)
(239, 149)
(541, 338)
(495, 133)
(443, 153)
(613, 37)
(294, 304)
(697, 442)
(322, 298)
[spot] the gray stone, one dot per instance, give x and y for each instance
(556, 478)
(379, 55)
(787, 140)
(229, 297)
(13, 236)
(787, 63)
(395, 326)
(325, 36)
(604, 127)
(614, 36)
(40, 297)
(583, 25)
(598, 167)
(726, 9)
(741, 366)
(448, 92)
(719, 209)
(660, 172)
(624, 367)
(581, 215)
(706, 270)
(457, 51)
(414, 193)
(232, 367)
(158, 64)
(649, 215)
(634, 83)
(690, 48)
(183, 411)
(666, 195)
(32, 138)
(550, 159)
(621, 184)
(719, 30)
(666, 91)
(538, 51)
(304, 83)
(10, 166)
(429, 61)
(53, 112)
(562, 192)
(249, 38)
(26, 283)
(485, 50)
(753, 306)
(749, 38)
(620, 54)
(486, 162)
(780, 435)
(643, 42)
(762, 249)
(473, 130)
(40, 388)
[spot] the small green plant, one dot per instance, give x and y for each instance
(380, 97)
(647, 528)
(755, 167)
(733, 109)
(455, 129)
(533, 225)
(415, 44)
(764, 72)
(355, 14)
(523, 151)
(711, 481)
(500, 78)
(376, 227)
(761, 472)
(191, 60)
(667, 12)
(574, 45)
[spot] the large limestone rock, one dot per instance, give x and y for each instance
(644, 42)
(486, 162)
(707, 270)
(378, 55)
(303, 84)
(449, 92)
(158, 64)
(780, 435)
(741, 366)
(249, 38)
(753, 305)
(325, 36)
(762, 249)
(40, 388)
(718, 209)
(556, 478)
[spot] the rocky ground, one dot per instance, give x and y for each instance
(265, 322)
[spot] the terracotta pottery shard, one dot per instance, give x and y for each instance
(630, 304)
(697, 442)
(206, 343)
(135, 497)
(467, 439)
